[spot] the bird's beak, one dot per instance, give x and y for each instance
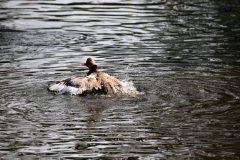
(84, 64)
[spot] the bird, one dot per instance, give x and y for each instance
(96, 82)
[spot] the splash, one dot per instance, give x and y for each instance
(129, 89)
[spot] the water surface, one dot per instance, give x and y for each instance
(183, 55)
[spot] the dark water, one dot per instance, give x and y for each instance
(184, 56)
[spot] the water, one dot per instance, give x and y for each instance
(183, 55)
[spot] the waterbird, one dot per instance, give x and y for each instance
(96, 82)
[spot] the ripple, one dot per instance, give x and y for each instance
(179, 62)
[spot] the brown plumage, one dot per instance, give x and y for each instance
(95, 82)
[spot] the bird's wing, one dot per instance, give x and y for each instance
(110, 84)
(76, 85)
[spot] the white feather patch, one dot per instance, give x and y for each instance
(91, 76)
(107, 75)
(62, 89)
(56, 87)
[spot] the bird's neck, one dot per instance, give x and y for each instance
(92, 69)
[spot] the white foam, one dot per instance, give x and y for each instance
(129, 89)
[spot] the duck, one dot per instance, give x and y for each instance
(96, 82)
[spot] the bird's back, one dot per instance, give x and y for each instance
(96, 82)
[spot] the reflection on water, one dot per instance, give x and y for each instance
(183, 55)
